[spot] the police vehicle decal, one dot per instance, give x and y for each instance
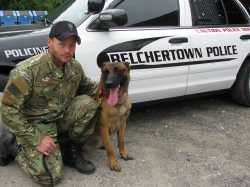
(22, 47)
(180, 64)
(225, 30)
(134, 45)
(133, 53)
(30, 51)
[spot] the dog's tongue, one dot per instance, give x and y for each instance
(113, 96)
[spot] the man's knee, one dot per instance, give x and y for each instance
(81, 110)
(85, 118)
(81, 107)
(85, 104)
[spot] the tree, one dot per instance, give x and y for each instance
(30, 4)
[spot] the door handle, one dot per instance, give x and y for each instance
(178, 40)
(245, 37)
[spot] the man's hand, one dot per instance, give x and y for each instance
(46, 145)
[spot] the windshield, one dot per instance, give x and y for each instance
(71, 10)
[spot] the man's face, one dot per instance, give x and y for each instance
(62, 51)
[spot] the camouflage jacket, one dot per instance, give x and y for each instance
(39, 91)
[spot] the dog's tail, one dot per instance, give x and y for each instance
(48, 171)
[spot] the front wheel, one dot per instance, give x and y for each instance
(241, 88)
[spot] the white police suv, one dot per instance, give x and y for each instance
(174, 47)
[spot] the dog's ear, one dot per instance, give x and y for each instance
(100, 64)
(127, 65)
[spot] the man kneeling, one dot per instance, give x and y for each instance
(47, 104)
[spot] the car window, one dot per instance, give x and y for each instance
(150, 13)
(208, 12)
(59, 10)
(234, 13)
(216, 12)
(246, 4)
(74, 11)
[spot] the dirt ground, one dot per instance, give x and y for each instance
(193, 143)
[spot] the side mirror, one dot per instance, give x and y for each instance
(95, 6)
(110, 18)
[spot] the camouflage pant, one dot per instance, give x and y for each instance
(77, 122)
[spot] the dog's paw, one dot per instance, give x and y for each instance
(127, 157)
(114, 165)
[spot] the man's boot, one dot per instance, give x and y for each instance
(72, 157)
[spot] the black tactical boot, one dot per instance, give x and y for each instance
(72, 157)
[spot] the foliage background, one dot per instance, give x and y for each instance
(30, 4)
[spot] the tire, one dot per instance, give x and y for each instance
(241, 88)
(3, 81)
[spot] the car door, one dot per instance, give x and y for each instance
(152, 42)
(218, 28)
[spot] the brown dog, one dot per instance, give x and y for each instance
(115, 108)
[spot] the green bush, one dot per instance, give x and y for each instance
(30, 4)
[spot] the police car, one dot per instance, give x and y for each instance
(174, 47)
